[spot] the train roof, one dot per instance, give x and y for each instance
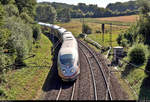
(67, 32)
(68, 47)
(68, 37)
(49, 25)
(55, 27)
(41, 23)
(45, 24)
(62, 30)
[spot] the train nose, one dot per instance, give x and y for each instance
(68, 71)
(69, 74)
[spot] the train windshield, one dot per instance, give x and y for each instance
(67, 59)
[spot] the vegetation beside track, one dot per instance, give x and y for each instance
(25, 83)
(136, 77)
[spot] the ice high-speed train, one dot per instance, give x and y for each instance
(68, 56)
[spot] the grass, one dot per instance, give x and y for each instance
(132, 18)
(98, 38)
(120, 21)
(25, 83)
(136, 78)
(75, 26)
(125, 86)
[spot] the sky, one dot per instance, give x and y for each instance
(100, 3)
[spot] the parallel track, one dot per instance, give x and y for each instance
(100, 67)
(92, 73)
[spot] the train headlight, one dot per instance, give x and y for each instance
(72, 70)
(64, 71)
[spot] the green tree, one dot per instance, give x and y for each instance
(36, 32)
(119, 38)
(144, 21)
(11, 10)
(27, 6)
(64, 15)
(21, 38)
(26, 18)
(138, 54)
(46, 13)
(5, 2)
(1, 14)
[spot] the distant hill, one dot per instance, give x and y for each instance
(80, 10)
(122, 7)
(58, 5)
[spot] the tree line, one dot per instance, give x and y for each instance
(63, 12)
(18, 31)
(137, 37)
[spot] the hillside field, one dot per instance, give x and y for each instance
(119, 24)
(131, 18)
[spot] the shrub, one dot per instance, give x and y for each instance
(98, 31)
(2, 62)
(4, 35)
(138, 54)
(2, 93)
(119, 38)
(124, 42)
(36, 32)
(5, 60)
(86, 29)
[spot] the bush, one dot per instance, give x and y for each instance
(86, 29)
(2, 92)
(4, 35)
(36, 32)
(5, 60)
(138, 54)
(98, 31)
(124, 43)
(119, 38)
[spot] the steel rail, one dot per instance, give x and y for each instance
(60, 91)
(73, 91)
(100, 67)
(91, 70)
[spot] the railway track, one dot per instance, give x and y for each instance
(90, 85)
(66, 93)
(92, 73)
(97, 76)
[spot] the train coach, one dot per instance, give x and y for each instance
(68, 57)
(68, 60)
